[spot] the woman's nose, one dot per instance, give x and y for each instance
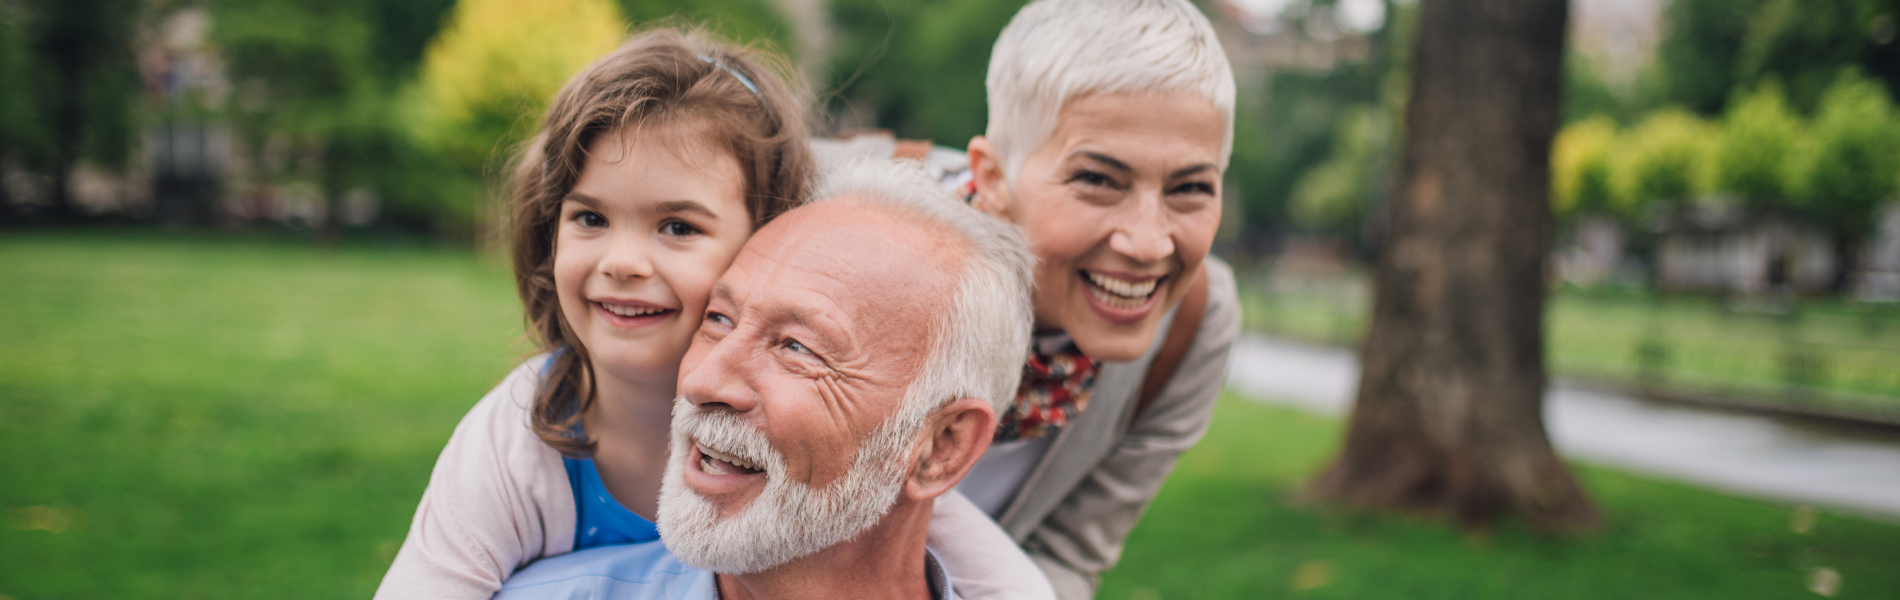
(1144, 234)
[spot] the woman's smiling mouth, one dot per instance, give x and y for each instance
(1118, 293)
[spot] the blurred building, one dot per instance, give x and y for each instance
(1720, 247)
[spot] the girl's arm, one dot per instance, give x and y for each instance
(498, 499)
(983, 563)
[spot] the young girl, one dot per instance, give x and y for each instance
(654, 166)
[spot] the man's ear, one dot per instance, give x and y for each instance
(986, 170)
(952, 440)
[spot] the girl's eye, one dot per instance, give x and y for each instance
(679, 229)
(794, 346)
(590, 219)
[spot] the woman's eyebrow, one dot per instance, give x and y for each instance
(674, 207)
(1112, 162)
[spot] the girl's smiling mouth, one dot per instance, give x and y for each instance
(631, 314)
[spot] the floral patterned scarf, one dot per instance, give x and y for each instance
(1057, 382)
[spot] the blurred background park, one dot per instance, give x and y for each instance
(249, 283)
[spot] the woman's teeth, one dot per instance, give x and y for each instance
(632, 311)
(720, 463)
(1120, 293)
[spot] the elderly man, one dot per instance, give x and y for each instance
(848, 373)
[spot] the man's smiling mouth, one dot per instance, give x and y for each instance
(1120, 293)
(714, 462)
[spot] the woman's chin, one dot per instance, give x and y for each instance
(1112, 342)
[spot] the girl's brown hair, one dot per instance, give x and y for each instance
(658, 77)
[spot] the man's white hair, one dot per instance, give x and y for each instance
(1054, 51)
(977, 345)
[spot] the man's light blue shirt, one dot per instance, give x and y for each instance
(644, 571)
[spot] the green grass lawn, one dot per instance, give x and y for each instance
(217, 416)
(1833, 353)
(1225, 526)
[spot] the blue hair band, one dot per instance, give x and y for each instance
(735, 73)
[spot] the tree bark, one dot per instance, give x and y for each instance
(1449, 415)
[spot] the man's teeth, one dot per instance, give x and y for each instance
(1123, 287)
(632, 311)
(715, 457)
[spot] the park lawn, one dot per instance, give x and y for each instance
(200, 416)
(1227, 525)
(220, 416)
(1827, 353)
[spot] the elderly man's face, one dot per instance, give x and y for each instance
(809, 343)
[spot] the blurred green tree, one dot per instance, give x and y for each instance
(487, 79)
(1850, 166)
(915, 67)
(1334, 197)
(318, 77)
(1666, 160)
(1754, 160)
(1713, 47)
(1583, 180)
(72, 89)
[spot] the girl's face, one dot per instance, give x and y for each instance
(642, 237)
(1121, 203)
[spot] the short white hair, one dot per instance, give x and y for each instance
(978, 345)
(1054, 51)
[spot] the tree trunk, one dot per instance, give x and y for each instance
(1449, 415)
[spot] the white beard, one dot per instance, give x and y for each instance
(789, 519)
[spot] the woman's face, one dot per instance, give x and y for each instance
(1121, 202)
(642, 237)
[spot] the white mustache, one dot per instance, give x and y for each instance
(726, 433)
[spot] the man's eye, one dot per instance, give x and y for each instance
(795, 346)
(590, 219)
(1092, 178)
(719, 319)
(679, 229)
(1198, 187)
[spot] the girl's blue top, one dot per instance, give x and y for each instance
(599, 519)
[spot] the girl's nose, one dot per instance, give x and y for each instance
(626, 259)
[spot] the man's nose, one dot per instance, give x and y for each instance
(1144, 233)
(626, 258)
(717, 380)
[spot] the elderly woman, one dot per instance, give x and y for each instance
(1110, 125)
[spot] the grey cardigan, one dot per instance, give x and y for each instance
(1101, 471)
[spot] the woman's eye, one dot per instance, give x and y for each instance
(795, 346)
(679, 229)
(590, 219)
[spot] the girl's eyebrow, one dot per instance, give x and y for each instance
(674, 207)
(583, 200)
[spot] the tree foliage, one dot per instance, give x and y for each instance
(1850, 167)
(1713, 47)
(1667, 159)
(71, 87)
(915, 67)
(1759, 140)
(1582, 179)
(1335, 196)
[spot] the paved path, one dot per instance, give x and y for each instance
(1746, 454)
